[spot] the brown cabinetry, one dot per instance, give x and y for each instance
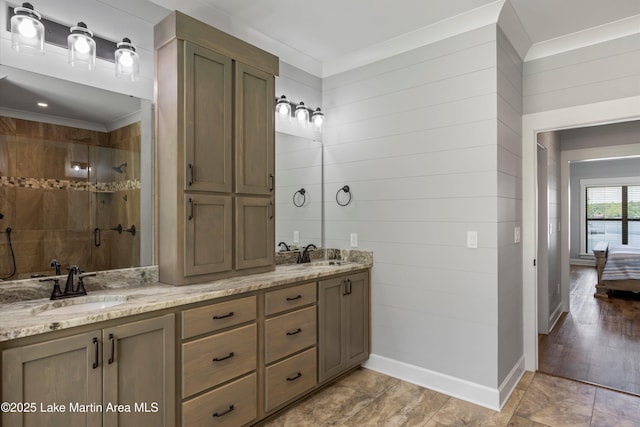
(290, 344)
(343, 324)
(131, 364)
(220, 361)
(216, 143)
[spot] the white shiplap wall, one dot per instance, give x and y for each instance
(601, 72)
(509, 184)
(415, 137)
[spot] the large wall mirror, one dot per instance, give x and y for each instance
(298, 191)
(75, 176)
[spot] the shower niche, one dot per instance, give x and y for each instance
(69, 194)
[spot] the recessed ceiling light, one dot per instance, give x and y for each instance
(43, 104)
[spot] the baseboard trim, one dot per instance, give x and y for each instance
(471, 392)
(555, 316)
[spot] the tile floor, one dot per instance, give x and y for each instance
(368, 398)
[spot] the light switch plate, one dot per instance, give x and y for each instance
(516, 235)
(472, 239)
(296, 236)
(354, 240)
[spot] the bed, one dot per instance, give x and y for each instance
(618, 268)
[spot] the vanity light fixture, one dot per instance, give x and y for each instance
(30, 31)
(82, 47)
(27, 32)
(302, 114)
(283, 108)
(286, 109)
(127, 61)
(317, 118)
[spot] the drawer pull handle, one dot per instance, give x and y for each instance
(224, 316)
(220, 359)
(294, 298)
(223, 413)
(297, 331)
(190, 174)
(298, 375)
(97, 360)
(113, 349)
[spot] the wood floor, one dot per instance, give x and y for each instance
(598, 341)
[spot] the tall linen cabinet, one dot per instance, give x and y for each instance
(215, 153)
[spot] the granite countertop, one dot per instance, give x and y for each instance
(34, 316)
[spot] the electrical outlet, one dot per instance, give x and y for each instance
(296, 236)
(354, 240)
(472, 239)
(516, 235)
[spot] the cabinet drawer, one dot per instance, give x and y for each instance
(293, 297)
(289, 333)
(210, 361)
(231, 405)
(210, 318)
(290, 378)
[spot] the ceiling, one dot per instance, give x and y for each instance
(332, 28)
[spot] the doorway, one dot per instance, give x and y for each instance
(585, 115)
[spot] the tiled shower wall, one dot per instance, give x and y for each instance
(53, 209)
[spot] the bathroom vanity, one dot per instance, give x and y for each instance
(237, 350)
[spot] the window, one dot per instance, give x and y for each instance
(612, 215)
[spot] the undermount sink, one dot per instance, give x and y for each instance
(77, 305)
(324, 263)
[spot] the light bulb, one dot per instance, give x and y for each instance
(302, 114)
(317, 118)
(81, 45)
(27, 29)
(126, 60)
(283, 107)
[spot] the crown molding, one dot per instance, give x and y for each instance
(591, 36)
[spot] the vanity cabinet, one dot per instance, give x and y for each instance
(219, 363)
(89, 374)
(290, 344)
(343, 324)
(215, 112)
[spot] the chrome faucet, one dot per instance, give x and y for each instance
(303, 257)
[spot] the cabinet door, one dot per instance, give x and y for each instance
(65, 371)
(254, 126)
(208, 120)
(139, 372)
(357, 326)
(331, 321)
(208, 234)
(255, 241)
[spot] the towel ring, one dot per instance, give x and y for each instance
(302, 193)
(346, 190)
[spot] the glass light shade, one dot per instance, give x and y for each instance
(283, 108)
(317, 118)
(27, 32)
(302, 114)
(82, 47)
(127, 61)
